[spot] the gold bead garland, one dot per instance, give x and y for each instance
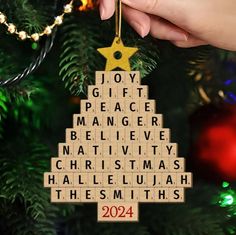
(22, 35)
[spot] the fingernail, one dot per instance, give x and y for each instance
(177, 36)
(139, 28)
(102, 12)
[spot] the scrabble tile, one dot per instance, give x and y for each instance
(109, 120)
(125, 92)
(72, 164)
(146, 164)
(95, 92)
(118, 135)
(51, 179)
(104, 106)
(65, 150)
(140, 120)
(88, 164)
(146, 195)
(139, 180)
(184, 180)
(162, 134)
(169, 150)
(153, 149)
(117, 194)
(132, 77)
(147, 135)
(177, 164)
(117, 77)
(95, 180)
(154, 180)
(116, 106)
(161, 195)
(125, 180)
(103, 164)
(102, 77)
(154, 120)
(109, 91)
(110, 180)
(80, 149)
(125, 149)
(140, 92)
(88, 106)
(58, 195)
(124, 120)
(81, 180)
(95, 150)
(176, 195)
(132, 194)
(140, 150)
(73, 195)
(117, 164)
(79, 120)
(132, 105)
(162, 165)
(169, 179)
(109, 149)
(132, 164)
(148, 106)
(58, 164)
(66, 180)
(103, 194)
(88, 195)
(72, 135)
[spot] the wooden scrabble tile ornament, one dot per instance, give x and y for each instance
(117, 153)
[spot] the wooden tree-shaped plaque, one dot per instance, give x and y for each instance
(117, 154)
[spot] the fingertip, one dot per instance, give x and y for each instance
(139, 21)
(106, 8)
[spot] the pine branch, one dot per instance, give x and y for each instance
(147, 57)
(27, 16)
(3, 110)
(27, 204)
(79, 58)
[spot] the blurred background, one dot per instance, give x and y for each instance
(195, 89)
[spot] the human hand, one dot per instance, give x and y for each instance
(186, 23)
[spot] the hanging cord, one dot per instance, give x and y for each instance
(48, 44)
(118, 14)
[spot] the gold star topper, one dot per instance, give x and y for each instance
(117, 55)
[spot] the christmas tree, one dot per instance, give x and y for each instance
(194, 89)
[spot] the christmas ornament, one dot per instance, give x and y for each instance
(117, 154)
(214, 148)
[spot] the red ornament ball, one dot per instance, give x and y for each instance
(214, 141)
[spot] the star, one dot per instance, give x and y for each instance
(117, 55)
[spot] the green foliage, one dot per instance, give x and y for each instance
(147, 57)
(27, 15)
(79, 57)
(25, 205)
(25, 104)
(3, 110)
(184, 219)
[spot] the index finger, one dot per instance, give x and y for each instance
(173, 10)
(107, 9)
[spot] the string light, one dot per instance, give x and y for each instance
(22, 35)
